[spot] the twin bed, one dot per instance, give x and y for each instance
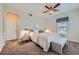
(45, 39)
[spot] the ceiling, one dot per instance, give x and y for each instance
(36, 9)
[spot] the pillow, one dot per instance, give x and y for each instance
(63, 35)
(36, 31)
(58, 35)
(28, 32)
(41, 31)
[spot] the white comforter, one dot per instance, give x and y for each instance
(44, 39)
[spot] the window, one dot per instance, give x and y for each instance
(62, 25)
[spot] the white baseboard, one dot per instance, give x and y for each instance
(74, 41)
(2, 44)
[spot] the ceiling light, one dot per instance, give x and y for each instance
(50, 11)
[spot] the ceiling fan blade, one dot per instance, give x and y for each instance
(56, 10)
(45, 11)
(56, 5)
(47, 7)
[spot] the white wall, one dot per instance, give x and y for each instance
(26, 21)
(73, 26)
(2, 42)
(29, 21)
(1, 23)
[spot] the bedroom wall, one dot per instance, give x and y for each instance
(29, 21)
(2, 42)
(73, 29)
(26, 21)
(1, 23)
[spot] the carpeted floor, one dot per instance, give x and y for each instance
(30, 48)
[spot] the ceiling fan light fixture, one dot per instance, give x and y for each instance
(50, 12)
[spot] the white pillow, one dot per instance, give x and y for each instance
(36, 31)
(28, 32)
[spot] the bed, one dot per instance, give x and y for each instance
(44, 40)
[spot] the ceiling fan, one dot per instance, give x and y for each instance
(51, 9)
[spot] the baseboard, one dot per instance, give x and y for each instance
(2, 44)
(74, 41)
(10, 39)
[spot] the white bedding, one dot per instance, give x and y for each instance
(34, 37)
(44, 39)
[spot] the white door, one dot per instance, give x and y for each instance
(11, 26)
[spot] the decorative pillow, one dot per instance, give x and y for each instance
(58, 35)
(63, 35)
(30, 30)
(41, 31)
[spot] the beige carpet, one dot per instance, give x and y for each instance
(30, 48)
